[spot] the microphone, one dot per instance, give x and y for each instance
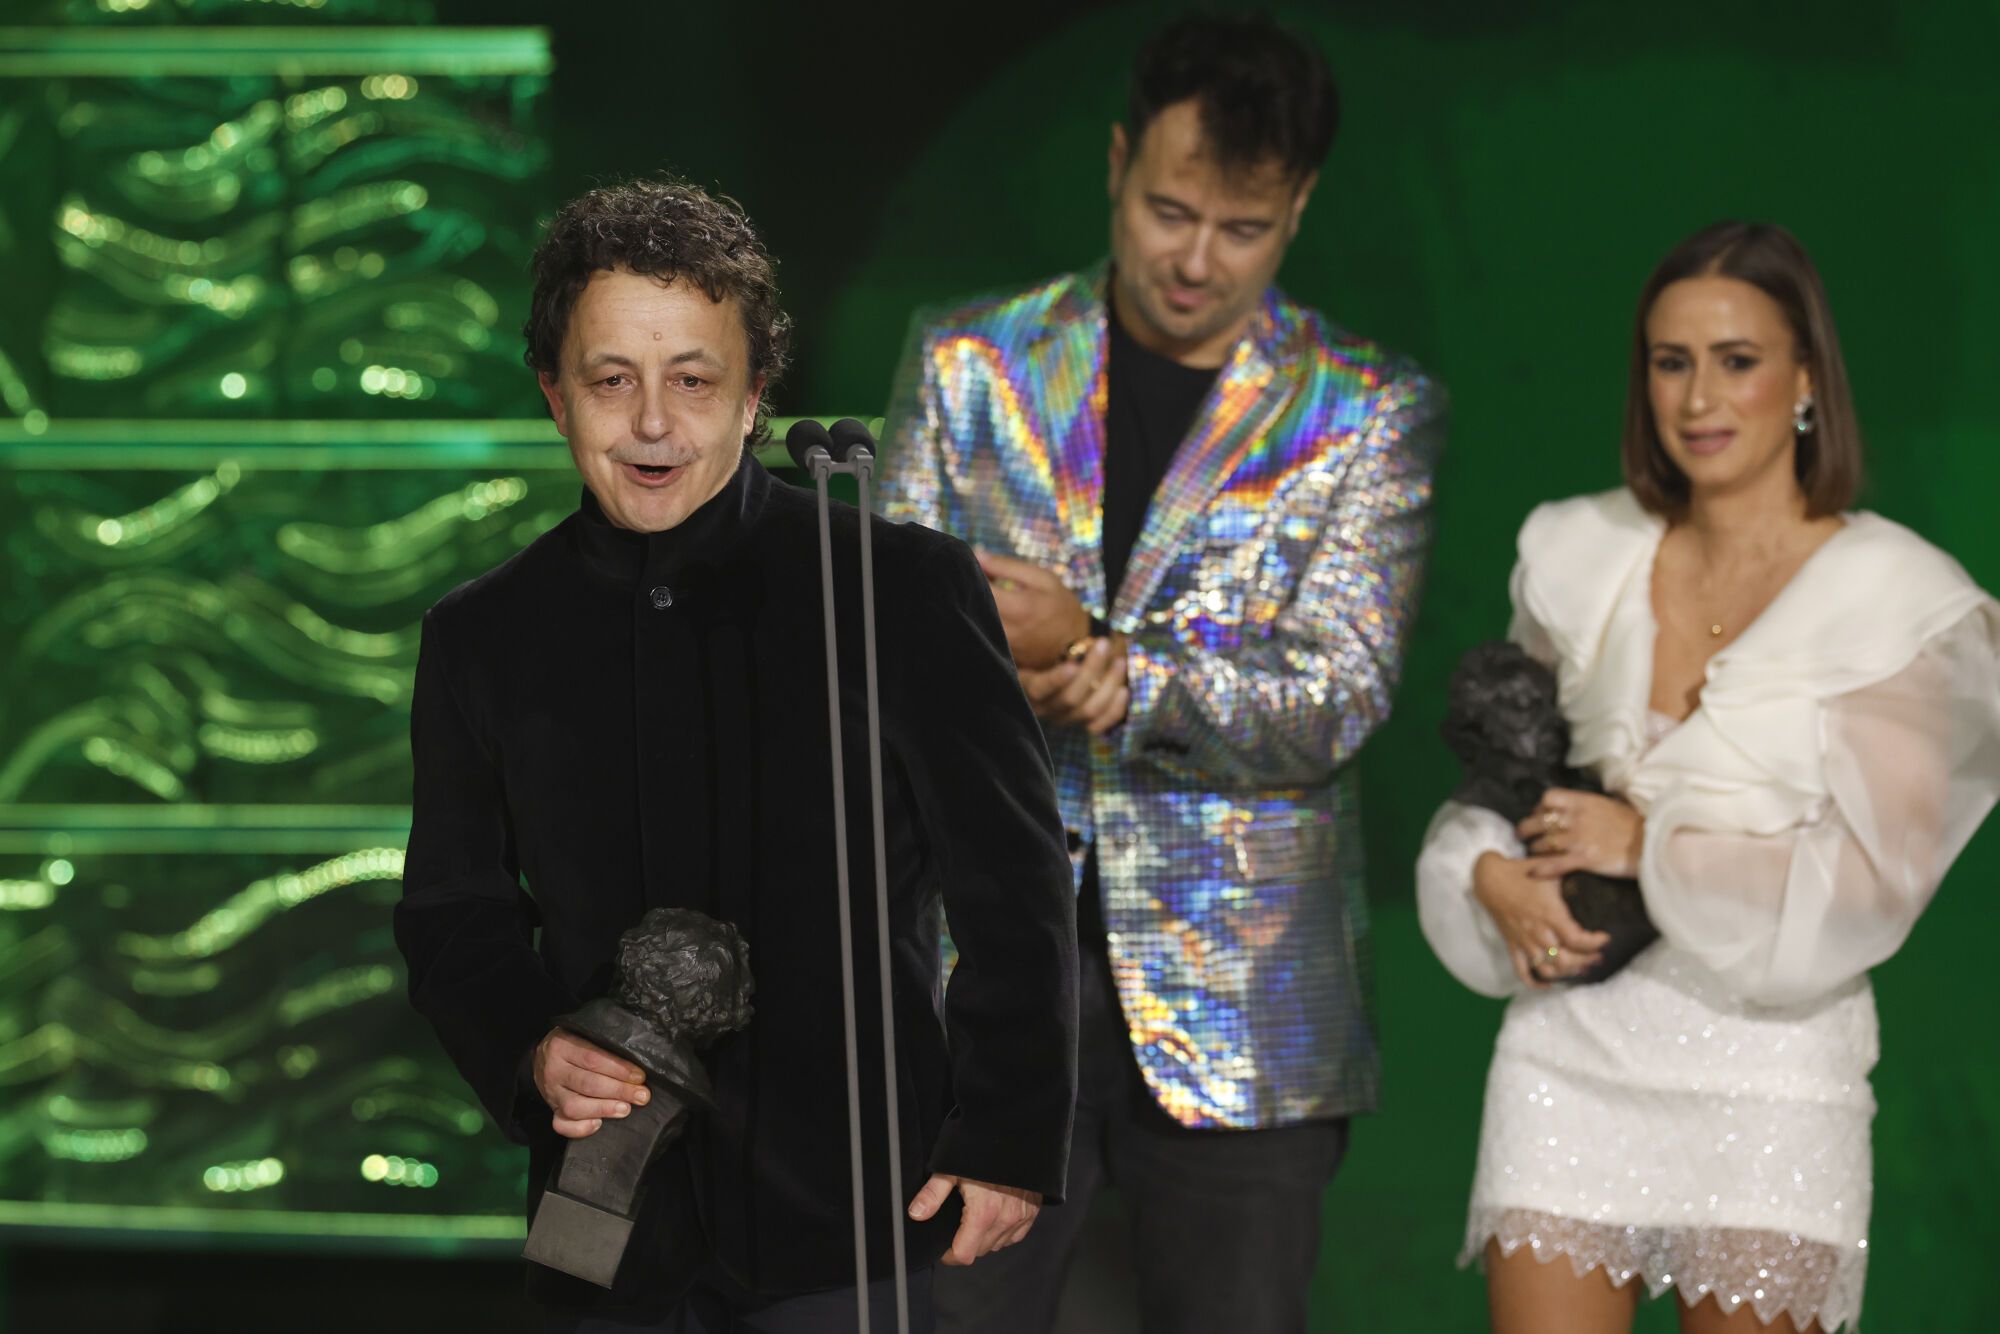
(808, 437)
(849, 448)
(849, 435)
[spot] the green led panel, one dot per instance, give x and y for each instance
(252, 223)
(207, 52)
(261, 403)
(204, 781)
(233, 634)
(102, 444)
(191, 1035)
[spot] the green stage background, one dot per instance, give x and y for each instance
(1504, 179)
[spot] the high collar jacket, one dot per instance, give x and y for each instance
(1265, 602)
(612, 722)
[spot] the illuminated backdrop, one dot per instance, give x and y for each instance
(251, 434)
(1505, 177)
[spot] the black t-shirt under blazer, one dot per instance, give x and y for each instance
(611, 722)
(1151, 403)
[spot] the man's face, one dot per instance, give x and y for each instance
(653, 393)
(1194, 245)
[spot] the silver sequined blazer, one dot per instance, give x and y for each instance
(1266, 603)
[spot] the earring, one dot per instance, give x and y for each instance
(1803, 419)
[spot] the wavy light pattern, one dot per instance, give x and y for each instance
(200, 1009)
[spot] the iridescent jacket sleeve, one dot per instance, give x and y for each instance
(909, 480)
(1293, 706)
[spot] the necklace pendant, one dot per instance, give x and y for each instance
(1715, 631)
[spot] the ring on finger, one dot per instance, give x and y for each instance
(1552, 820)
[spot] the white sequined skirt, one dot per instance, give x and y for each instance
(1657, 1128)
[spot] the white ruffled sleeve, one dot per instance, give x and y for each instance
(1912, 766)
(1460, 931)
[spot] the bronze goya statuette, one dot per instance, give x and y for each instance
(680, 981)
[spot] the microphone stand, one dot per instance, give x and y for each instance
(859, 463)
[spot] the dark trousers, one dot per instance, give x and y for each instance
(719, 1306)
(1224, 1223)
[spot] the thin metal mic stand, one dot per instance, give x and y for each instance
(860, 464)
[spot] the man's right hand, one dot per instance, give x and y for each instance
(1092, 694)
(583, 1084)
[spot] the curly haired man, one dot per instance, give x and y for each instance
(630, 714)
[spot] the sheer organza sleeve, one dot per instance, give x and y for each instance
(1460, 931)
(1912, 766)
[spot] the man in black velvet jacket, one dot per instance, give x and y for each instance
(632, 713)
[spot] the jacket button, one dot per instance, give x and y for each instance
(661, 598)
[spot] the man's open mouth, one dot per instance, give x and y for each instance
(652, 474)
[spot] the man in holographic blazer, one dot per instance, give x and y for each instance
(1204, 511)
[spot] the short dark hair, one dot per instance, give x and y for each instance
(1265, 92)
(1769, 258)
(664, 228)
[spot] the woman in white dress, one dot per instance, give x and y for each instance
(1796, 711)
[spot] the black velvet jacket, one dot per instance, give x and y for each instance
(619, 721)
